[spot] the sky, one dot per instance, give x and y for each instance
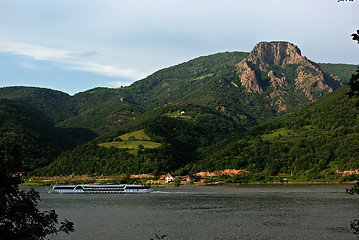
(76, 45)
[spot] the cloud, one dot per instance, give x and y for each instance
(36, 52)
(85, 54)
(68, 59)
(107, 70)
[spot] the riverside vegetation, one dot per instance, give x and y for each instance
(265, 111)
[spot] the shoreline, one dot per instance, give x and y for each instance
(50, 182)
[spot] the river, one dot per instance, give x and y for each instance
(212, 212)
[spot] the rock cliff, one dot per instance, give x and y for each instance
(276, 67)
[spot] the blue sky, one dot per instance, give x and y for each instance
(76, 45)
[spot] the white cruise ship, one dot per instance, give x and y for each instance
(108, 188)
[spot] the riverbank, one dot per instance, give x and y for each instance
(210, 181)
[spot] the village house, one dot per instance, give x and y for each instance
(170, 178)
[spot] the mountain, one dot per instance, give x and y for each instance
(320, 138)
(97, 110)
(323, 137)
(161, 140)
(102, 116)
(282, 81)
(343, 71)
(221, 95)
(40, 142)
(280, 71)
(177, 82)
(50, 105)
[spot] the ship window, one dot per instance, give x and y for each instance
(79, 188)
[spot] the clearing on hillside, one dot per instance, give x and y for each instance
(132, 141)
(130, 144)
(137, 135)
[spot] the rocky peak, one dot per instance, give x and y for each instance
(308, 80)
(275, 53)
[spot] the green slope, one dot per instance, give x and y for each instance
(102, 117)
(174, 83)
(177, 133)
(343, 71)
(53, 106)
(40, 142)
(321, 137)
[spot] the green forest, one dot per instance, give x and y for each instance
(321, 137)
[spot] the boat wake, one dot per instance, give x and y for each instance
(165, 192)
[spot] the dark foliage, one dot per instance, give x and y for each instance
(354, 92)
(50, 105)
(354, 85)
(93, 159)
(353, 190)
(355, 223)
(354, 81)
(40, 142)
(20, 217)
(356, 36)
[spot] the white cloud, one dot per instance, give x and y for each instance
(68, 59)
(111, 71)
(36, 52)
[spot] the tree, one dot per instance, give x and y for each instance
(354, 80)
(354, 92)
(353, 190)
(20, 217)
(355, 223)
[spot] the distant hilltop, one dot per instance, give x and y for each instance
(278, 67)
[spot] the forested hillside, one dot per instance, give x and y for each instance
(174, 83)
(50, 105)
(180, 130)
(40, 142)
(321, 137)
(343, 71)
(103, 117)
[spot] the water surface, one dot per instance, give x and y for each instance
(212, 212)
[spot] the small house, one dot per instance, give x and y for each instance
(170, 178)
